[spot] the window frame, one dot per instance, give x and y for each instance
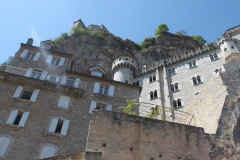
(30, 56)
(177, 103)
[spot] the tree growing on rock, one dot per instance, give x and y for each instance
(200, 39)
(160, 29)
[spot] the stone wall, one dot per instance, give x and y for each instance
(126, 137)
(78, 156)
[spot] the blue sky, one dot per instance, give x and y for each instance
(132, 19)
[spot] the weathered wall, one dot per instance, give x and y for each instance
(78, 156)
(126, 137)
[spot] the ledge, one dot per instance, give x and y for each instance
(193, 67)
(175, 91)
(102, 95)
(178, 107)
(172, 74)
(61, 108)
(154, 98)
(215, 59)
(153, 81)
(198, 84)
(12, 125)
(54, 134)
(23, 100)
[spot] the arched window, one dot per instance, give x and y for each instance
(4, 143)
(190, 65)
(36, 74)
(155, 94)
(215, 56)
(199, 79)
(151, 95)
(172, 87)
(173, 71)
(47, 151)
(174, 104)
(179, 103)
(211, 57)
(154, 78)
(176, 86)
(194, 80)
(169, 72)
(150, 79)
(194, 63)
(137, 83)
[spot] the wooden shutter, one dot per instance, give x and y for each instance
(92, 106)
(4, 143)
(28, 73)
(96, 87)
(65, 127)
(47, 151)
(64, 101)
(34, 95)
(12, 117)
(37, 55)
(63, 81)
(49, 59)
(18, 92)
(111, 91)
(109, 107)
(53, 125)
(43, 76)
(24, 53)
(77, 81)
(61, 62)
(23, 119)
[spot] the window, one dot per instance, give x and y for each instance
(59, 126)
(26, 94)
(63, 102)
(36, 74)
(177, 103)
(171, 71)
(232, 47)
(153, 94)
(47, 151)
(225, 49)
(51, 78)
(152, 78)
(4, 143)
(103, 89)
(99, 106)
(213, 57)
(17, 118)
(97, 71)
(30, 56)
(192, 64)
(174, 87)
(69, 81)
(56, 61)
(197, 80)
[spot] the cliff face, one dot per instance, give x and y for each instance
(91, 51)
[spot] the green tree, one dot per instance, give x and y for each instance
(200, 39)
(57, 41)
(129, 108)
(148, 41)
(97, 33)
(4, 65)
(161, 28)
(77, 30)
(181, 33)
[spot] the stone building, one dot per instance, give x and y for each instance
(49, 93)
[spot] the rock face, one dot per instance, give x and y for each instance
(90, 51)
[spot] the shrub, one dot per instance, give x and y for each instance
(77, 30)
(97, 33)
(148, 41)
(57, 41)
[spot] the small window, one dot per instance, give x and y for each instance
(211, 57)
(59, 126)
(194, 63)
(137, 83)
(172, 87)
(55, 61)
(151, 95)
(47, 151)
(17, 118)
(103, 90)
(4, 143)
(155, 94)
(215, 56)
(70, 82)
(26, 95)
(225, 49)
(190, 65)
(173, 71)
(101, 106)
(197, 80)
(154, 78)
(36, 74)
(169, 72)
(52, 79)
(232, 47)
(176, 86)
(174, 104)
(150, 79)
(177, 103)
(194, 80)
(30, 56)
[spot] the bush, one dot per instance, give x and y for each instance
(97, 33)
(148, 41)
(77, 30)
(57, 41)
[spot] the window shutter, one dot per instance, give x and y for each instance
(4, 143)
(28, 73)
(96, 87)
(18, 92)
(57, 79)
(92, 106)
(34, 95)
(63, 81)
(61, 61)
(65, 127)
(111, 91)
(24, 53)
(53, 125)
(12, 117)
(77, 81)
(149, 96)
(43, 76)
(23, 119)
(63, 101)
(37, 55)
(47, 151)
(49, 59)
(109, 107)
(48, 77)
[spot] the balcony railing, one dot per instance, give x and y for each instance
(22, 72)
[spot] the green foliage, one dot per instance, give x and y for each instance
(181, 33)
(158, 111)
(148, 41)
(160, 29)
(57, 41)
(200, 39)
(77, 30)
(129, 108)
(138, 45)
(4, 65)
(97, 33)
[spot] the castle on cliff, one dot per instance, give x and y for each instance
(66, 100)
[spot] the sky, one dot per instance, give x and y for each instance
(132, 19)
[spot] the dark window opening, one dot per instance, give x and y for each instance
(104, 145)
(154, 78)
(179, 158)
(173, 71)
(211, 57)
(26, 95)
(194, 80)
(169, 72)
(194, 63)
(225, 49)
(126, 59)
(137, 83)
(126, 81)
(172, 88)
(151, 95)
(174, 104)
(59, 126)
(150, 79)
(18, 118)
(179, 103)
(232, 47)
(134, 83)
(131, 149)
(199, 79)
(155, 94)
(215, 56)
(160, 155)
(190, 64)
(176, 86)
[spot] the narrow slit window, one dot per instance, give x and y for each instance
(18, 118)
(174, 104)
(176, 86)
(172, 88)
(194, 80)
(155, 94)
(199, 79)
(154, 78)
(190, 64)
(179, 103)
(59, 126)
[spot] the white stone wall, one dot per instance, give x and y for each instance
(123, 75)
